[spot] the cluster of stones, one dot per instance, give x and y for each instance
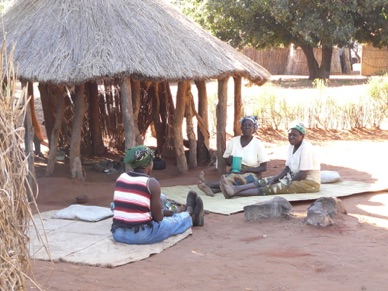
(320, 213)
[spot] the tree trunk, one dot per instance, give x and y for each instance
(324, 70)
(311, 62)
(221, 115)
(237, 106)
(203, 141)
(98, 147)
(76, 169)
(177, 128)
(128, 120)
(189, 114)
(57, 125)
(346, 66)
(135, 85)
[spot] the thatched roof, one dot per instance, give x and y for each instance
(76, 41)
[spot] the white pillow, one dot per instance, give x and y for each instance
(329, 177)
(83, 212)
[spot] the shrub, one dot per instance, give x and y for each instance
(378, 92)
(320, 110)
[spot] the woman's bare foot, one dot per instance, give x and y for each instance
(227, 190)
(202, 177)
(205, 188)
(224, 180)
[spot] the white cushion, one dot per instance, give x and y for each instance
(329, 177)
(83, 212)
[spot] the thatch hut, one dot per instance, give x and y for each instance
(76, 45)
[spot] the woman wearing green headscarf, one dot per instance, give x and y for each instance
(138, 215)
(301, 173)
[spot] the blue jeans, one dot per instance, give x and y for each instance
(169, 226)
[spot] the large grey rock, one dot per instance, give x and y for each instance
(276, 207)
(321, 212)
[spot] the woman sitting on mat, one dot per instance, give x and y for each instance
(250, 152)
(139, 216)
(301, 174)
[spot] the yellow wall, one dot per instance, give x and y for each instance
(374, 61)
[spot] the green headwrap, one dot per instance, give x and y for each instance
(299, 126)
(139, 157)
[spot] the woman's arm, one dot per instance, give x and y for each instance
(257, 170)
(300, 176)
(279, 176)
(156, 203)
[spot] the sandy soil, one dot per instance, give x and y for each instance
(230, 254)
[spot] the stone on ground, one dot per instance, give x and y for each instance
(274, 208)
(321, 212)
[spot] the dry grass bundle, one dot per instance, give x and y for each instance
(14, 205)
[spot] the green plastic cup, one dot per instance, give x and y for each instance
(236, 164)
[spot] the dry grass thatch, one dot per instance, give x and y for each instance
(76, 41)
(14, 205)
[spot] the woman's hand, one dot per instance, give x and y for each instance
(273, 180)
(229, 161)
(167, 212)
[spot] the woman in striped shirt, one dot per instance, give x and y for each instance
(138, 215)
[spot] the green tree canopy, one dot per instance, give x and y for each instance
(305, 23)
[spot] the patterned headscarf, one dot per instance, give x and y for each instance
(139, 157)
(299, 126)
(251, 118)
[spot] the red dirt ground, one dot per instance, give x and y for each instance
(230, 254)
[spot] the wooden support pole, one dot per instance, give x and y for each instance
(128, 119)
(49, 102)
(28, 140)
(189, 114)
(76, 169)
(98, 147)
(221, 115)
(203, 140)
(238, 112)
(56, 129)
(39, 137)
(136, 109)
(156, 115)
(178, 120)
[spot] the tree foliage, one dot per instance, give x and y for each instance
(305, 23)
(371, 21)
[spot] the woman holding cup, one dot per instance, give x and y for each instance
(246, 156)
